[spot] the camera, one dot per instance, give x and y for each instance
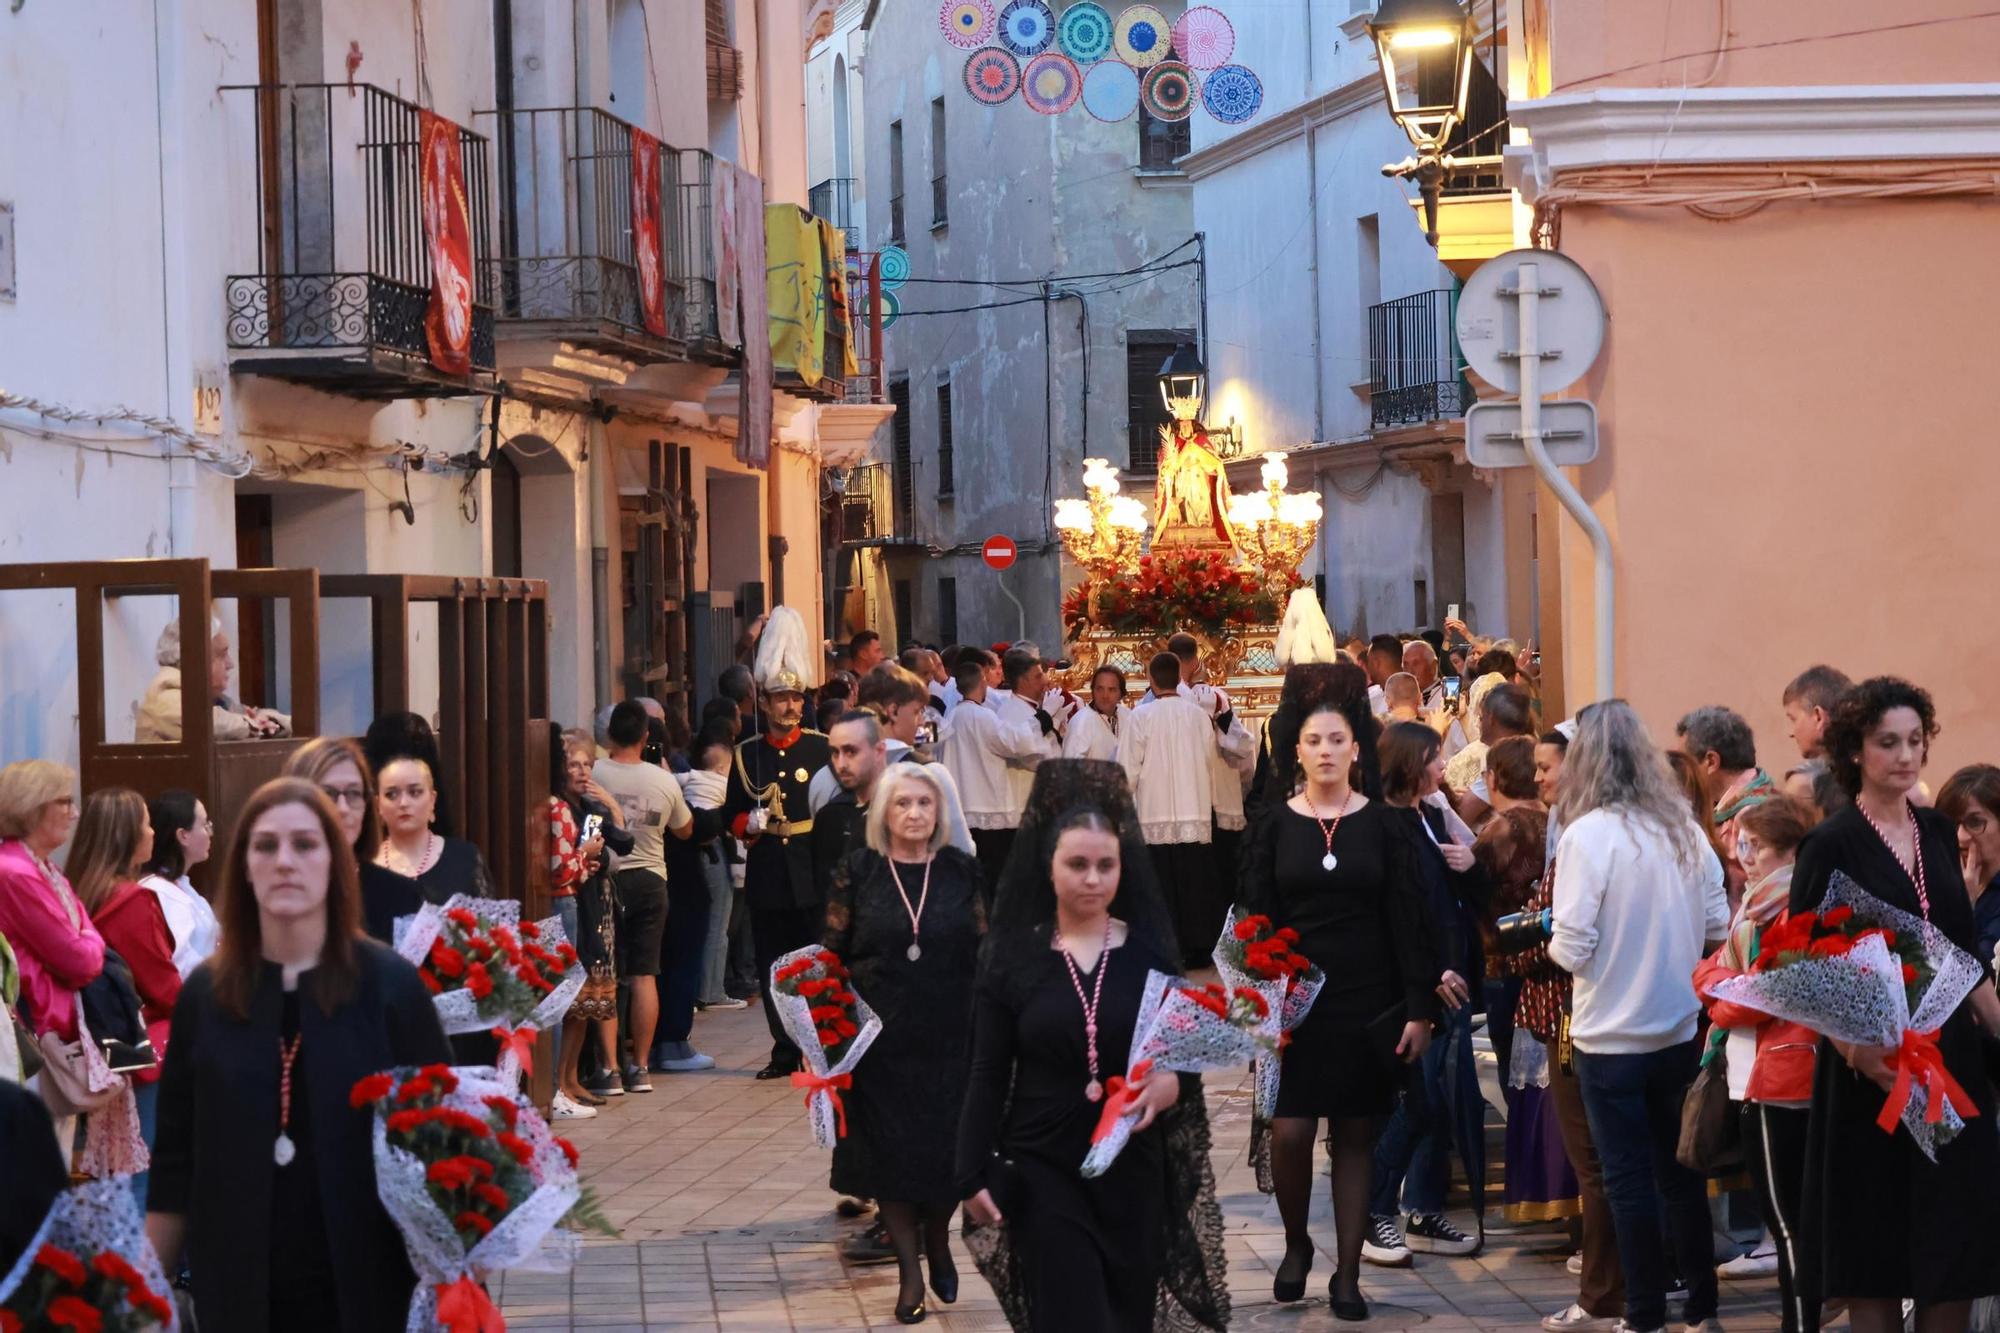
(1519, 932)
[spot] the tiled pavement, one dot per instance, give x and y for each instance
(728, 1225)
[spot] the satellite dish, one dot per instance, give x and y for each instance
(1570, 315)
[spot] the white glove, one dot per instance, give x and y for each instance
(756, 821)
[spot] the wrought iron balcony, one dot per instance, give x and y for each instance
(864, 308)
(569, 262)
(1416, 374)
(691, 246)
(833, 199)
(341, 278)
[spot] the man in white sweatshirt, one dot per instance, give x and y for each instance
(1638, 901)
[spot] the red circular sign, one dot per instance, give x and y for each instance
(999, 551)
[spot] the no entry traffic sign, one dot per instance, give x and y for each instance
(999, 552)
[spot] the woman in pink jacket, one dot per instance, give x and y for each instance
(56, 946)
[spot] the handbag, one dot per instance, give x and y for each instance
(65, 1078)
(1711, 1131)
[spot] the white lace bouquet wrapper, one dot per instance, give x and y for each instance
(1860, 997)
(1175, 1033)
(100, 1217)
(458, 1010)
(526, 1237)
(823, 1081)
(1288, 1001)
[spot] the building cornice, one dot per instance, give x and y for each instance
(1283, 126)
(1620, 127)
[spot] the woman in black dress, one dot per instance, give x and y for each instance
(338, 768)
(262, 1166)
(1078, 926)
(1308, 685)
(1881, 1221)
(441, 866)
(908, 892)
(1324, 860)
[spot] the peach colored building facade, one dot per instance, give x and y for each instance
(1792, 210)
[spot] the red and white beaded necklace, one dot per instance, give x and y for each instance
(1093, 1090)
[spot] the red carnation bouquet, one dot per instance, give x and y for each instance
(488, 970)
(1185, 1029)
(1861, 971)
(1252, 953)
(830, 1024)
(475, 1181)
(89, 1268)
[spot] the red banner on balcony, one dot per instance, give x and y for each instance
(646, 231)
(448, 235)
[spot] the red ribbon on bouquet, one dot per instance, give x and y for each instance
(1119, 1095)
(518, 1042)
(1918, 1061)
(464, 1307)
(831, 1086)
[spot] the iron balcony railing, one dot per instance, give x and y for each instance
(833, 199)
(690, 182)
(1415, 372)
(341, 276)
(940, 202)
(864, 309)
(568, 254)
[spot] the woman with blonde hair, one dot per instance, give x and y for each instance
(113, 840)
(905, 915)
(339, 768)
(1638, 898)
(263, 1167)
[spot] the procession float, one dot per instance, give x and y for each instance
(1206, 562)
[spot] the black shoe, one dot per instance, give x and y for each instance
(910, 1314)
(1285, 1290)
(869, 1247)
(944, 1279)
(777, 1069)
(854, 1207)
(1351, 1309)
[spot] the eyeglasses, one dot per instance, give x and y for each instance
(1746, 849)
(346, 795)
(1977, 823)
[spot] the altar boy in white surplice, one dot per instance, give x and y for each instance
(1165, 748)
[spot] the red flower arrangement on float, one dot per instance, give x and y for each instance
(1194, 587)
(100, 1293)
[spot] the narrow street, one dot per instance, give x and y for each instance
(728, 1225)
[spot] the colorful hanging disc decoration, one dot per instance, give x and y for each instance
(892, 306)
(1051, 83)
(1204, 38)
(1111, 90)
(1141, 36)
(1169, 91)
(1085, 32)
(1027, 27)
(991, 75)
(1232, 94)
(967, 24)
(892, 267)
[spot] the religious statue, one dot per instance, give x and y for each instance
(1191, 491)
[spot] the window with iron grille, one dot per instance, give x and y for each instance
(1163, 141)
(902, 476)
(1145, 353)
(905, 595)
(896, 182)
(947, 611)
(939, 194)
(946, 471)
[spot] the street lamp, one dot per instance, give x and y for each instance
(1183, 386)
(1426, 53)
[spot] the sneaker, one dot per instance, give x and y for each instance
(1709, 1325)
(870, 1246)
(562, 1108)
(1384, 1245)
(1677, 1290)
(635, 1080)
(731, 1003)
(1573, 1318)
(1760, 1262)
(604, 1083)
(692, 1063)
(1429, 1233)
(1574, 1264)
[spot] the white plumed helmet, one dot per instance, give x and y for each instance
(784, 653)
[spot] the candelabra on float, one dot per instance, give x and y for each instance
(1103, 531)
(1275, 527)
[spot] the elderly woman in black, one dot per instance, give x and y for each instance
(1078, 927)
(1882, 1222)
(262, 1167)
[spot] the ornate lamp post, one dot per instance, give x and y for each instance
(1183, 387)
(1426, 54)
(1275, 527)
(1103, 531)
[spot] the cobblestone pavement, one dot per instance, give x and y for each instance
(727, 1224)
